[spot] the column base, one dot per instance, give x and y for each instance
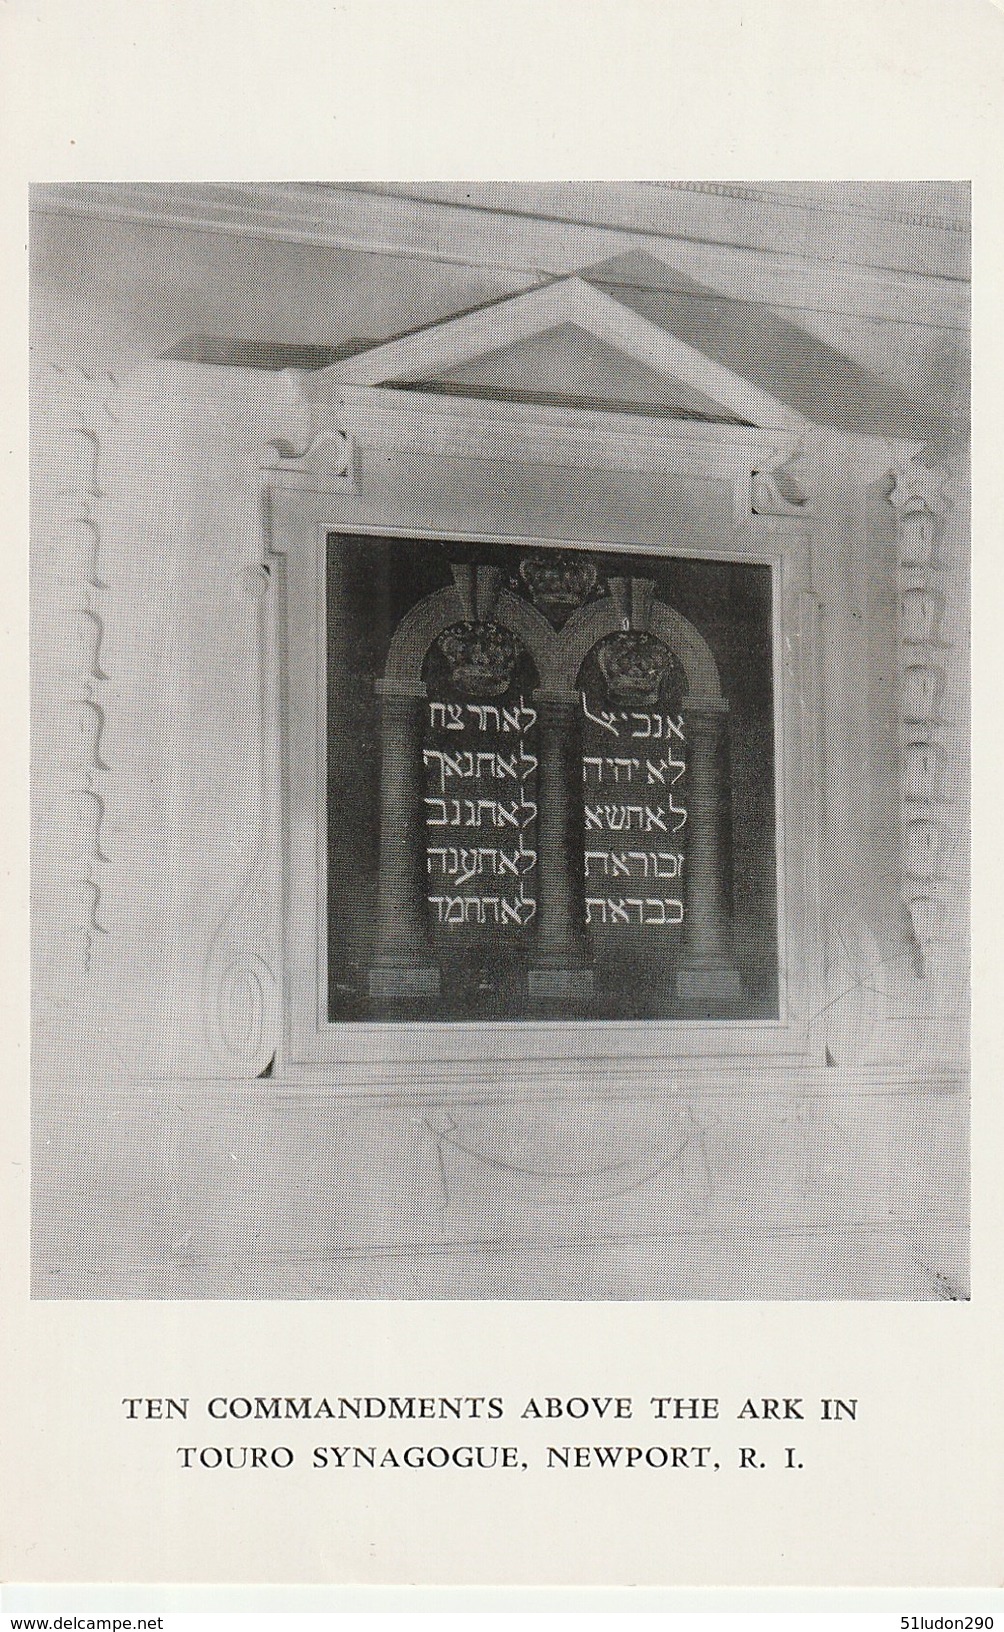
(564, 983)
(405, 981)
(712, 983)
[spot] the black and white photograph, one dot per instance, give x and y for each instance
(501, 986)
(500, 740)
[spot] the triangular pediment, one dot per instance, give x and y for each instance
(567, 344)
(566, 366)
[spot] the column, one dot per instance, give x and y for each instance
(705, 974)
(562, 958)
(404, 965)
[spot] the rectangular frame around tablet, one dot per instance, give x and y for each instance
(406, 1056)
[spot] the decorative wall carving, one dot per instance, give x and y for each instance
(919, 496)
(85, 416)
(922, 691)
(920, 499)
(241, 986)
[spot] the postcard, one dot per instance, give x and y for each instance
(501, 1066)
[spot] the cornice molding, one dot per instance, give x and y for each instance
(806, 196)
(370, 417)
(320, 429)
(705, 240)
(781, 217)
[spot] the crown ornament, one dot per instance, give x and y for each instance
(480, 656)
(634, 666)
(558, 584)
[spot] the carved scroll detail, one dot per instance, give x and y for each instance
(777, 491)
(310, 437)
(241, 992)
(241, 988)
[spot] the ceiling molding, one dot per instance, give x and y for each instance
(859, 198)
(832, 219)
(379, 220)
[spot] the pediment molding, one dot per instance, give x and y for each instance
(405, 394)
(433, 352)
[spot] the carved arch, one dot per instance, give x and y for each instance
(703, 684)
(419, 628)
(558, 658)
(600, 618)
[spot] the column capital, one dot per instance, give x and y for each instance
(401, 688)
(710, 708)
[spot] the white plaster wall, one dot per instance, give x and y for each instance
(822, 1191)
